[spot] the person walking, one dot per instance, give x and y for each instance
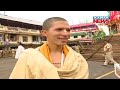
(19, 50)
(108, 52)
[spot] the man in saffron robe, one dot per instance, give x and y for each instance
(54, 59)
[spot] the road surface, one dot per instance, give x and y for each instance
(97, 71)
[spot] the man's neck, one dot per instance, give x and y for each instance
(55, 48)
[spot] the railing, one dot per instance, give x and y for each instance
(23, 29)
(12, 28)
(7, 53)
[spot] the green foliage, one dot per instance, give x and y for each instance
(79, 34)
(113, 32)
(99, 35)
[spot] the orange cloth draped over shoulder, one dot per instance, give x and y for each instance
(44, 49)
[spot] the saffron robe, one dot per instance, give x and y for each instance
(32, 64)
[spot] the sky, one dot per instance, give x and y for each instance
(73, 17)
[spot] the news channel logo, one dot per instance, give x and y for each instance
(101, 19)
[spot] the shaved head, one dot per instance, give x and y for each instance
(48, 22)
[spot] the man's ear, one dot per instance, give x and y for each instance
(43, 32)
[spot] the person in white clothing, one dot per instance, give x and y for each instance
(117, 69)
(19, 50)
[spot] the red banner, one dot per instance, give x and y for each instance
(114, 15)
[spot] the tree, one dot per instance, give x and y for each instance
(99, 35)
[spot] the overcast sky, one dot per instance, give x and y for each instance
(73, 17)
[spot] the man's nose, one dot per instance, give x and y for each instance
(64, 30)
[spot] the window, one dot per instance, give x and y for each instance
(12, 37)
(35, 38)
(25, 39)
(92, 26)
(1, 39)
(83, 27)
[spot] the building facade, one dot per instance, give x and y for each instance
(13, 30)
(83, 31)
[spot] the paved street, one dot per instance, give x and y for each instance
(97, 71)
(6, 66)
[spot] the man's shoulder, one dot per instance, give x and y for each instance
(38, 48)
(30, 50)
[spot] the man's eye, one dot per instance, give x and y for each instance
(68, 30)
(59, 29)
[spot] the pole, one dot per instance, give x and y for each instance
(4, 12)
(99, 48)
